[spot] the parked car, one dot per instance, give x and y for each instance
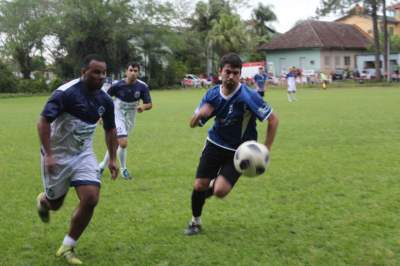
(190, 80)
(339, 74)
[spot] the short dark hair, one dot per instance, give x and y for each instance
(133, 65)
(89, 58)
(231, 59)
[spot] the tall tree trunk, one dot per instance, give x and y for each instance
(386, 56)
(374, 14)
(24, 61)
(209, 58)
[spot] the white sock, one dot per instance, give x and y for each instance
(69, 241)
(196, 220)
(122, 157)
(104, 163)
(289, 97)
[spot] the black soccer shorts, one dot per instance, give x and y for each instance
(215, 161)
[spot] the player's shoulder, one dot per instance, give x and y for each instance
(69, 85)
(246, 90)
(142, 83)
(117, 83)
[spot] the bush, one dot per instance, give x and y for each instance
(8, 82)
(54, 84)
(32, 86)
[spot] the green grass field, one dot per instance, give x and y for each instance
(331, 195)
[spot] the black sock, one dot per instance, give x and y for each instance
(209, 192)
(198, 199)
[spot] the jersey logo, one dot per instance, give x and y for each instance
(230, 109)
(137, 94)
(101, 110)
(263, 110)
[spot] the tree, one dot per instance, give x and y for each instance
(203, 20)
(262, 16)
(85, 27)
(385, 40)
(24, 24)
(259, 30)
(229, 35)
(343, 6)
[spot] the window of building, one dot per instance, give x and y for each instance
(337, 60)
(327, 60)
(347, 61)
(371, 64)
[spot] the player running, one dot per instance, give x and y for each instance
(127, 94)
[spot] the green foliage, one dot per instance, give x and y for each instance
(85, 27)
(330, 196)
(32, 86)
(229, 35)
(24, 23)
(54, 84)
(8, 82)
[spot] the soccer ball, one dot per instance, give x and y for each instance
(251, 158)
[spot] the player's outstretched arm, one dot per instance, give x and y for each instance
(144, 107)
(112, 144)
(273, 122)
(204, 111)
(44, 131)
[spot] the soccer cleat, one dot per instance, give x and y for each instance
(43, 212)
(125, 174)
(69, 254)
(192, 229)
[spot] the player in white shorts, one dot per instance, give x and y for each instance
(127, 94)
(66, 129)
(291, 82)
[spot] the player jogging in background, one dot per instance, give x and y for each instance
(235, 108)
(261, 81)
(291, 83)
(66, 127)
(127, 94)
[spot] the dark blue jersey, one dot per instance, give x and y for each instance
(235, 115)
(130, 92)
(260, 79)
(75, 99)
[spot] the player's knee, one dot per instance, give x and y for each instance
(90, 201)
(201, 184)
(123, 143)
(220, 192)
(55, 204)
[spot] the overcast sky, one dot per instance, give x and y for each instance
(288, 12)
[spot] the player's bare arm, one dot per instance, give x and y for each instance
(44, 130)
(204, 112)
(144, 107)
(273, 122)
(112, 144)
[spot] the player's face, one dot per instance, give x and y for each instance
(230, 77)
(95, 74)
(132, 73)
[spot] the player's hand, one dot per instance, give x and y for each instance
(49, 164)
(112, 165)
(100, 121)
(140, 109)
(204, 112)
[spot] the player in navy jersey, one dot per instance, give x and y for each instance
(127, 94)
(261, 81)
(235, 108)
(66, 129)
